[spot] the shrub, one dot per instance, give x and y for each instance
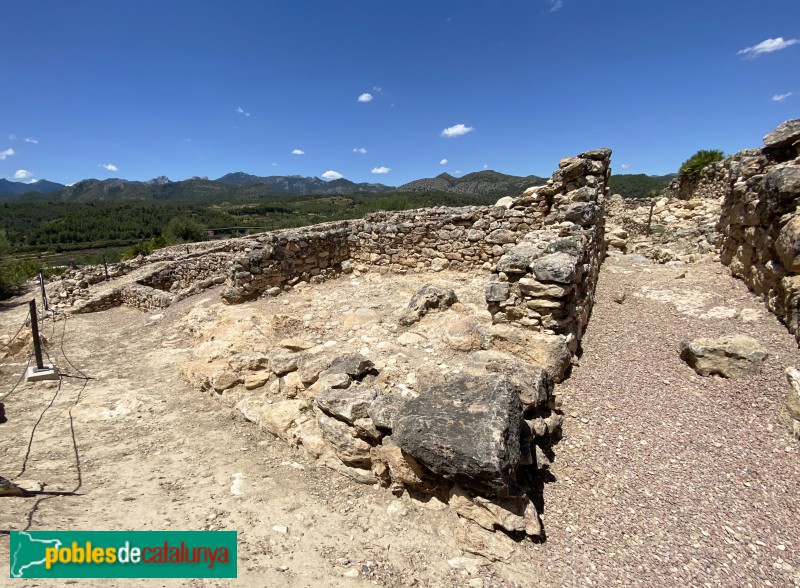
(692, 167)
(184, 230)
(565, 245)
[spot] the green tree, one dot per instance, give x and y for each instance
(692, 167)
(184, 230)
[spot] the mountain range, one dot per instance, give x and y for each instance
(240, 186)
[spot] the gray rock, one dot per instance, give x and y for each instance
(580, 213)
(784, 180)
(596, 154)
(557, 267)
(384, 409)
(351, 450)
(497, 291)
(347, 404)
(534, 384)
(519, 259)
(355, 366)
(731, 356)
(784, 135)
(788, 245)
(793, 398)
(464, 429)
(283, 363)
(428, 297)
(501, 236)
(310, 367)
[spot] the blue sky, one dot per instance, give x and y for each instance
(205, 88)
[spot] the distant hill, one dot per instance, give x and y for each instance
(8, 188)
(302, 185)
(482, 183)
(195, 191)
(638, 185)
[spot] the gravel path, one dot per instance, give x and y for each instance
(665, 477)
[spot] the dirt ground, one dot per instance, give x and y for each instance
(663, 477)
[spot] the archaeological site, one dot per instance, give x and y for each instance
(565, 388)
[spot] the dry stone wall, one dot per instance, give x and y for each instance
(546, 281)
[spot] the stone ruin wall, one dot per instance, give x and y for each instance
(742, 211)
(546, 281)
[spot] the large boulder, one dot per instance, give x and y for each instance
(464, 429)
(549, 352)
(788, 244)
(731, 356)
(784, 135)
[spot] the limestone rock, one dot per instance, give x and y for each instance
(731, 356)
(282, 363)
(403, 468)
(549, 352)
(477, 540)
(295, 344)
(464, 335)
(310, 366)
(351, 450)
(361, 317)
(557, 267)
(784, 135)
(501, 237)
(515, 514)
(427, 298)
(347, 404)
(519, 259)
(356, 366)
(384, 409)
(465, 429)
(534, 384)
(793, 398)
(277, 418)
(257, 380)
(505, 202)
(788, 245)
(225, 381)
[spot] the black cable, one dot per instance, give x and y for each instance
(21, 377)
(63, 336)
(24, 323)
(33, 432)
(35, 507)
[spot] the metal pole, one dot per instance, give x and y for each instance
(37, 345)
(45, 306)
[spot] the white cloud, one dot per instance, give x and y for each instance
(767, 46)
(457, 131)
(485, 166)
(458, 171)
(555, 5)
(241, 110)
(108, 166)
(365, 97)
(274, 164)
(6, 153)
(381, 170)
(443, 162)
(625, 166)
(781, 97)
(332, 175)
(23, 174)
(298, 152)
(12, 137)
(377, 89)
(359, 150)
(31, 140)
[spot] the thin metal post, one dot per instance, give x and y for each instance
(45, 306)
(37, 344)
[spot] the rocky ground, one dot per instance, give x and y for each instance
(662, 476)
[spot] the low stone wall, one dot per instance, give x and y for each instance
(758, 225)
(665, 229)
(546, 281)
